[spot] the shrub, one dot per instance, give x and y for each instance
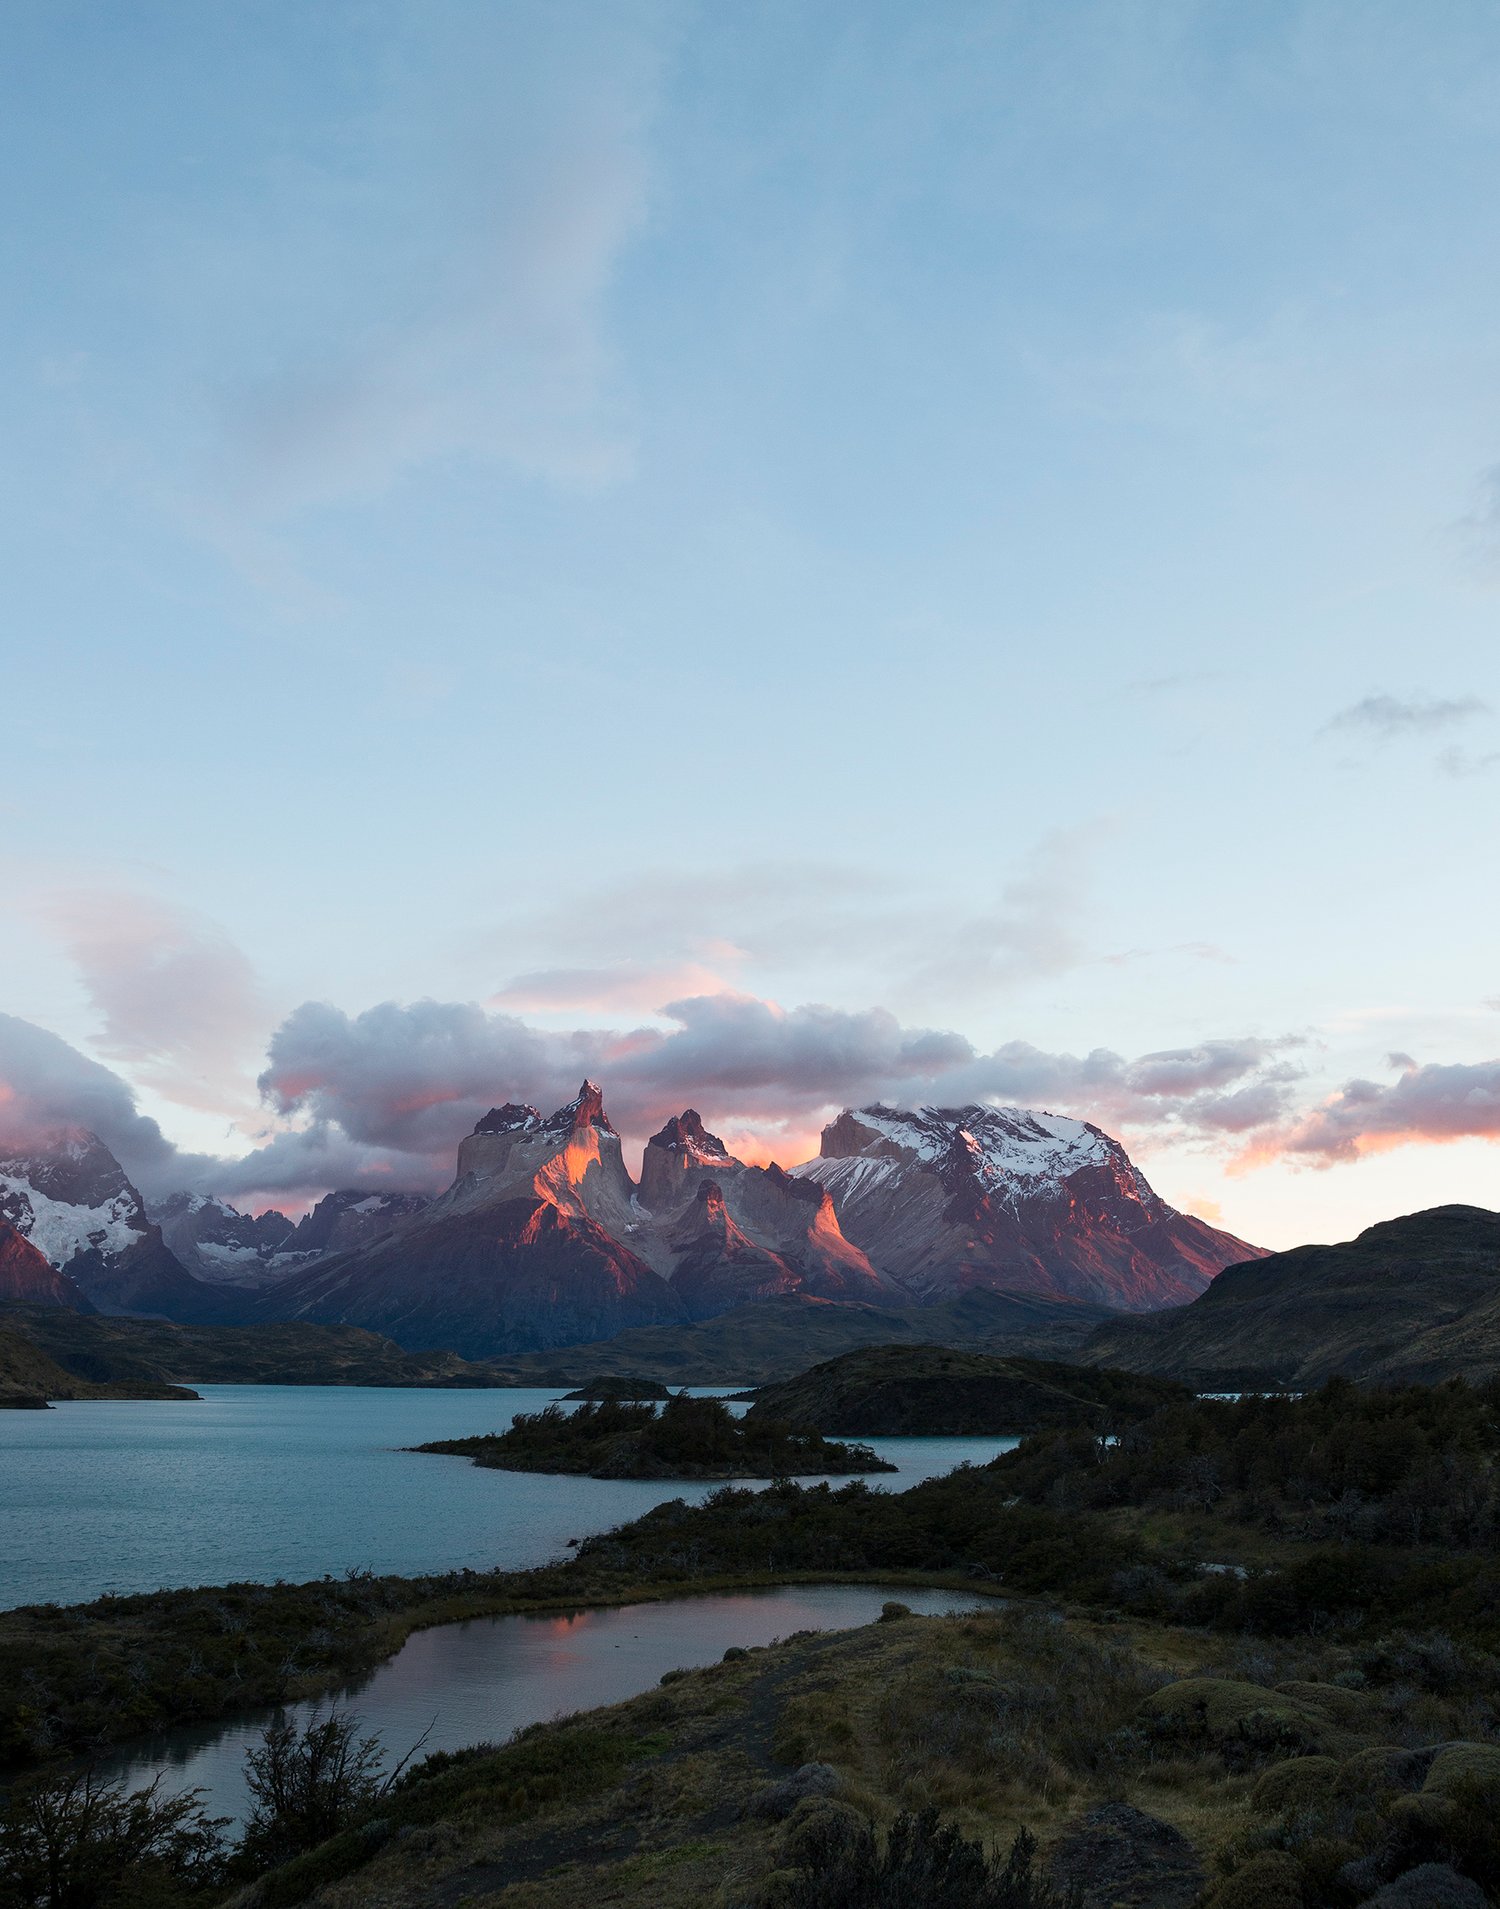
(70, 1842)
(308, 1785)
(923, 1863)
(1430, 1886)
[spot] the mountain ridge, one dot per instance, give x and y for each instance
(1414, 1299)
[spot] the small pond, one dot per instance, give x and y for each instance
(481, 1680)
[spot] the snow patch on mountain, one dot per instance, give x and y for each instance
(58, 1230)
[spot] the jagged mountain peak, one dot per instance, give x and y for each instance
(72, 1165)
(586, 1109)
(674, 1155)
(514, 1117)
(710, 1197)
(687, 1131)
(68, 1195)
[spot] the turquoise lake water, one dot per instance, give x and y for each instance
(264, 1482)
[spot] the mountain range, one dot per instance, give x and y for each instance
(544, 1239)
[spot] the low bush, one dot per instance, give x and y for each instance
(923, 1863)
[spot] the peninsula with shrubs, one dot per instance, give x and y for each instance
(686, 1438)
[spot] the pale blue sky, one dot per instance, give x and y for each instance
(985, 511)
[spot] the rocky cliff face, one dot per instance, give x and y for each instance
(28, 1277)
(349, 1218)
(543, 1237)
(531, 1246)
(948, 1198)
(69, 1196)
(761, 1216)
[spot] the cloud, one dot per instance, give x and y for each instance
(180, 1003)
(412, 1079)
(629, 987)
(1465, 762)
(1387, 718)
(713, 927)
(45, 1084)
(383, 1097)
(1430, 1104)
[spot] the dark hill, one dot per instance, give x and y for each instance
(150, 1351)
(1412, 1300)
(29, 1378)
(776, 1338)
(934, 1391)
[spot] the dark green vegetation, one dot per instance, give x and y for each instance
(1414, 1300)
(685, 1438)
(309, 1785)
(623, 1388)
(1403, 1467)
(914, 1760)
(776, 1338)
(932, 1391)
(143, 1352)
(29, 1378)
(1267, 1680)
(69, 1842)
(845, 1864)
(1363, 1514)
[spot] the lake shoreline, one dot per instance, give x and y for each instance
(383, 1640)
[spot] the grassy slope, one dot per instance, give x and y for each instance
(146, 1350)
(891, 1391)
(1001, 1720)
(27, 1374)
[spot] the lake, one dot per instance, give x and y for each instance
(479, 1681)
(264, 1482)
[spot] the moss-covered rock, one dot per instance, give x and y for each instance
(1430, 1886)
(1349, 1709)
(1384, 1770)
(1224, 1712)
(1295, 1784)
(1466, 1766)
(1270, 1880)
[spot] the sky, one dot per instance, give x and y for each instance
(777, 555)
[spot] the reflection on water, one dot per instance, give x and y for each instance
(481, 1680)
(267, 1481)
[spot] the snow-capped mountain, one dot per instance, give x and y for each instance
(219, 1244)
(544, 1239)
(340, 1221)
(71, 1199)
(946, 1198)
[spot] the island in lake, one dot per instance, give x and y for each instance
(686, 1438)
(939, 1392)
